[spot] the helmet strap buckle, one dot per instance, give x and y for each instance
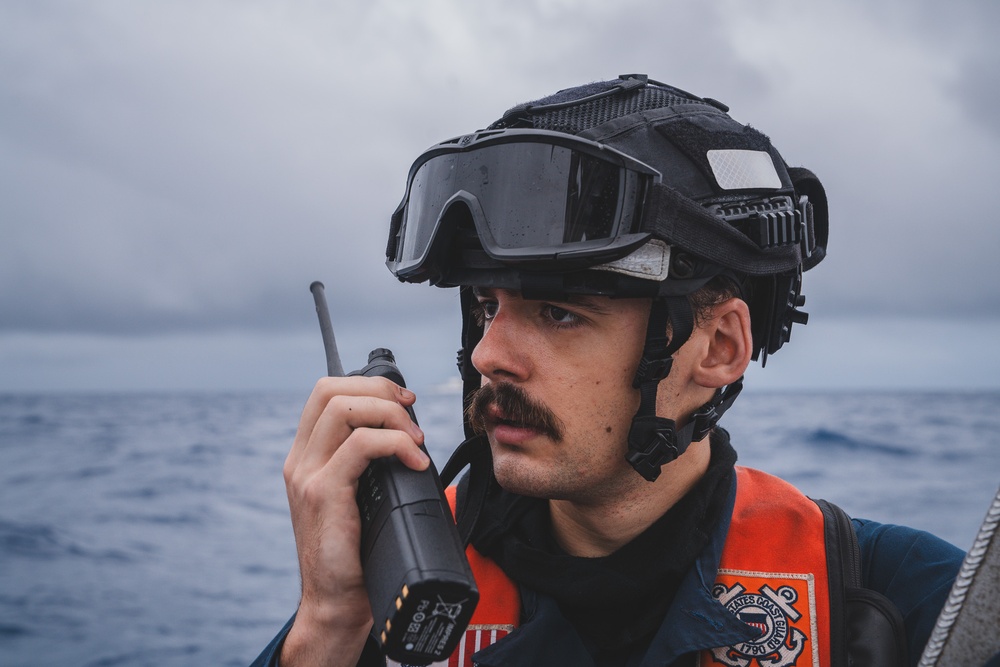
(655, 441)
(652, 442)
(652, 370)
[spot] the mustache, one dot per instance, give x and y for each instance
(514, 406)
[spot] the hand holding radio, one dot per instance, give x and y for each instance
(378, 548)
(345, 425)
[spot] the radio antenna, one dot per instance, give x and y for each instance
(333, 366)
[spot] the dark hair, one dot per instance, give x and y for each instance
(718, 290)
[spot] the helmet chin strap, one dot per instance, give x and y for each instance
(654, 441)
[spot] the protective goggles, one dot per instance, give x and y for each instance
(536, 197)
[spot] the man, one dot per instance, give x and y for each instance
(624, 249)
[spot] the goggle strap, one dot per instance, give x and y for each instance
(687, 224)
(394, 223)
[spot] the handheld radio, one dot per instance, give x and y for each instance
(419, 582)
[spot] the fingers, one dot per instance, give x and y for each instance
(327, 388)
(366, 444)
(383, 426)
(339, 406)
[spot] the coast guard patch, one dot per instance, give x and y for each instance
(476, 637)
(781, 606)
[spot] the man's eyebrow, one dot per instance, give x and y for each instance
(593, 304)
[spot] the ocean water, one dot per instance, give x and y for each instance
(152, 529)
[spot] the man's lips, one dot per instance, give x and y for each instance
(509, 431)
(494, 418)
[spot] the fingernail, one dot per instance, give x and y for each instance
(417, 431)
(424, 459)
(406, 393)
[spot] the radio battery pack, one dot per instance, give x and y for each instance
(419, 582)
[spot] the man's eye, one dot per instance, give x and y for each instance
(484, 311)
(561, 315)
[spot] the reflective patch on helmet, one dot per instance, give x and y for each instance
(743, 170)
(650, 261)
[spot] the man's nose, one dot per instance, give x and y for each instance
(502, 354)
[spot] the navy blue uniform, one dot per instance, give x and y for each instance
(912, 568)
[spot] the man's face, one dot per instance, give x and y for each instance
(573, 362)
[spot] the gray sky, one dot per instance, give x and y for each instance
(173, 175)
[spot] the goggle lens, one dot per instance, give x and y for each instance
(529, 201)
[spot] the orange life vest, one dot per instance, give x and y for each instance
(773, 576)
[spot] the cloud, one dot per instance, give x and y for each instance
(862, 94)
(188, 169)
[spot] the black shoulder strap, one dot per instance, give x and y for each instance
(866, 628)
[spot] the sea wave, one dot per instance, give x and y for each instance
(154, 529)
(826, 438)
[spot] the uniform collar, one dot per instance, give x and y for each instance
(696, 621)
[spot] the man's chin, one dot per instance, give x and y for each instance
(526, 469)
(516, 473)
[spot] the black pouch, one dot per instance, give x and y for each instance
(866, 628)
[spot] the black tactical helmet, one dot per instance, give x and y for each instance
(624, 188)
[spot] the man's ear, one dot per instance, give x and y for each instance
(728, 345)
